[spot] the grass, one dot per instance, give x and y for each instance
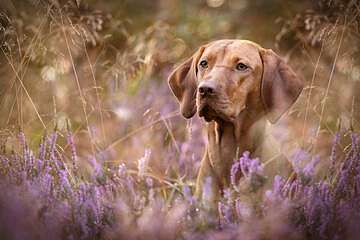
(116, 160)
(61, 198)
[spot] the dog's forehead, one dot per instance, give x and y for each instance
(239, 48)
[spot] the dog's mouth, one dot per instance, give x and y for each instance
(212, 111)
(207, 112)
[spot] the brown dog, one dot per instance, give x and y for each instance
(232, 84)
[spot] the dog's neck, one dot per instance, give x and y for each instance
(228, 140)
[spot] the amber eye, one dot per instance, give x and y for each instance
(241, 67)
(203, 64)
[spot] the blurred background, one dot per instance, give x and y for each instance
(100, 68)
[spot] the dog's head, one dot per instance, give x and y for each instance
(227, 76)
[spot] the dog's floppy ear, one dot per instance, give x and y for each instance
(182, 82)
(280, 87)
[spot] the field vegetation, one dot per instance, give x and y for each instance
(93, 145)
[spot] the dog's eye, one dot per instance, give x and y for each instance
(241, 67)
(204, 64)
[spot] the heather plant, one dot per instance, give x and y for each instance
(126, 165)
(120, 202)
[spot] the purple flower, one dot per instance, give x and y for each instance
(243, 211)
(42, 152)
(309, 168)
(84, 207)
(255, 167)
(276, 193)
(333, 151)
(234, 170)
(298, 158)
(122, 171)
(65, 185)
(25, 150)
(150, 185)
(187, 194)
(245, 163)
(207, 189)
(228, 195)
(225, 214)
(143, 162)
(70, 141)
(97, 167)
(52, 144)
(250, 167)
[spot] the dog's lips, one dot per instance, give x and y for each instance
(206, 111)
(209, 112)
(202, 109)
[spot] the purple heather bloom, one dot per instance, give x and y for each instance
(130, 186)
(243, 211)
(149, 182)
(309, 168)
(46, 183)
(255, 167)
(64, 181)
(150, 185)
(207, 188)
(143, 162)
(39, 165)
(333, 151)
(248, 166)
(245, 163)
(25, 150)
(122, 171)
(187, 194)
(52, 144)
(228, 196)
(70, 141)
(225, 211)
(95, 204)
(324, 209)
(276, 193)
(42, 149)
(97, 167)
(298, 158)
(234, 170)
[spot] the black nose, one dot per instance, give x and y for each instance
(206, 91)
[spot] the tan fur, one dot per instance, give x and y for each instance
(235, 113)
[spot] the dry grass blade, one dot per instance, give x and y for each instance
(83, 101)
(310, 92)
(25, 90)
(132, 133)
(330, 79)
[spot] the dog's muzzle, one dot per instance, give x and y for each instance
(206, 89)
(207, 112)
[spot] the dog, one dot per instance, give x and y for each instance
(236, 86)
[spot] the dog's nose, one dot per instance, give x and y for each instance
(206, 90)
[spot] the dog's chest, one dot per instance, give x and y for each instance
(224, 145)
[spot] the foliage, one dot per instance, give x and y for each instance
(128, 166)
(119, 202)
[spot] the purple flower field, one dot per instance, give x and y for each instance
(45, 195)
(92, 144)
